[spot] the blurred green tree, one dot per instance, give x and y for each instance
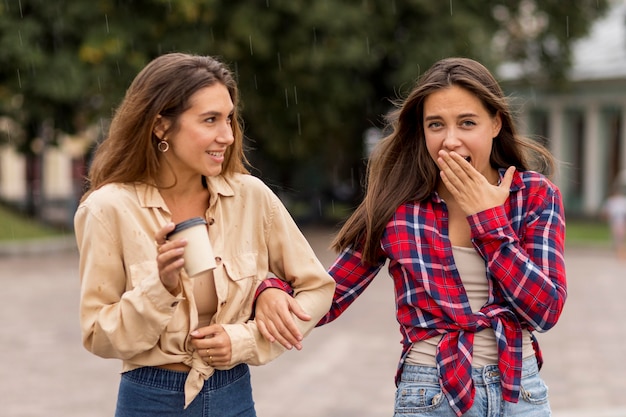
(314, 76)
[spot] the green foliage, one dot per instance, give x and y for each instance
(14, 226)
(313, 75)
(587, 232)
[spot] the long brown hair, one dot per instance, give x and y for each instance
(163, 87)
(401, 169)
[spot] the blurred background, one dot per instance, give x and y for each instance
(316, 79)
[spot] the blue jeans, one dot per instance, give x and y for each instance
(156, 392)
(419, 394)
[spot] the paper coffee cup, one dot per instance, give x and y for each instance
(198, 254)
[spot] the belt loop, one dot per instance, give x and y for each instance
(490, 373)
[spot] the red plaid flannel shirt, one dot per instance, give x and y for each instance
(522, 244)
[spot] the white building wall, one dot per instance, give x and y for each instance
(592, 178)
(12, 175)
(57, 174)
(557, 142)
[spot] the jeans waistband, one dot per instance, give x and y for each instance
(483, 375)
(175, 380)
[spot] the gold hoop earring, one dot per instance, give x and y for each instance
(163, 146)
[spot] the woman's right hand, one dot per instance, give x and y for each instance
(169, 258)
(274, 320)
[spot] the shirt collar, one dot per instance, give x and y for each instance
(149, 196)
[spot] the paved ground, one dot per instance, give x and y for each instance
(346, 368)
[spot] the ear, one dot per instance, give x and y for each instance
(161, 125)
(497, 125)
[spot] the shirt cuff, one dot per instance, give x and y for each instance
(271, 282)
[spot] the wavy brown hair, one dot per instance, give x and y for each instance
(401, 169)
(163, 87)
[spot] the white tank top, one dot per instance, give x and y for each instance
(471, 267)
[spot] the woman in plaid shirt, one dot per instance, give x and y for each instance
(473, 234)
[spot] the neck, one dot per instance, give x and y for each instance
(186, 200)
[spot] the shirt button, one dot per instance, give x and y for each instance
(211, 221)
(218, 259)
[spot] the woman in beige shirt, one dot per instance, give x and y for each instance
(174, 152)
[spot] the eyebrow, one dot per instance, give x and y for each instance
(460, 116)
(215, 113)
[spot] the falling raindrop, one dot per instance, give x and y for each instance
(450, 7)
(20, 5)
(19, 79)
(267, 3)
(19, 35)
(102, 126)
(280, 65)
(295, 95)
(106, 20)
(567, 26)
(286, 98)
(256, 85)
(250, 38)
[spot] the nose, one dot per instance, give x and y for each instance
(225, 134)
(451, 140)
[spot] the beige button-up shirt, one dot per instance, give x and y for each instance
(126, 312)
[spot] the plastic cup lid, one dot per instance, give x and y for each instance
(194, 221)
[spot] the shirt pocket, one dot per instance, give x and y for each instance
(241, 272)
(149, 270)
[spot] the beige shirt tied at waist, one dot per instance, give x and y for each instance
(126, 312)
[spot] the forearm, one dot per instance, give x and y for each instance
(529, 273)
(250, 346)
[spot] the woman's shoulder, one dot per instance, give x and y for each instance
(113, 194)
(535, 180)
(247, 183)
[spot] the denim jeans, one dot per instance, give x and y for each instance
(156, 392)
(419, 394)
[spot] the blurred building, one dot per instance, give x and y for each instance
(585, 126)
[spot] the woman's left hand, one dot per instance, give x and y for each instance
(213, 345)
(470, 189)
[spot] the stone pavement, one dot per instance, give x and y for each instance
(346, 368)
